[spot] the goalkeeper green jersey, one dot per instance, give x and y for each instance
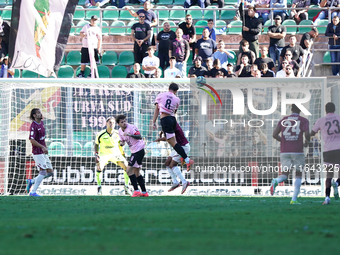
(109, 143)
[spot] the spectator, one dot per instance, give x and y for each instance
(246, 5)
(279, 4)
(201, 3)
(243, 70)
(282, 72)
(208, 65)
(5, 72)
(222, 54)
(333, 32)
(219, 74)
(307, 39)
(277, 34)
(150, 63)
(197, 69)
(118, 3)
(253, 69)
(189, 31)
(97, 3)
(289, 71)
(265, 71)
(136, 72)
(230, 71)
(328, 3)
(257, 74)
(179, 48)
(217, 68)
(263, 13)
(295, 49)
(172, 71)
(205, 47)
(251, 28)
(300, 14)
(220, 3)
(4, 35)
(245, 51)
(213, 31)
(296, 67)
(265, 59)
(95, 41)
(140, 33)
(158, 73)
(164, 38)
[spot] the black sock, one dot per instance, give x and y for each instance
(141, 183)
(133, 180)
(328, 192)
(179, 149)
(338, 181)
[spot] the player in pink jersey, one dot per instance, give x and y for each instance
(166, 105)
(129, 133)
(174, 158)
(292, 127)
(330, 135)
(39, 150)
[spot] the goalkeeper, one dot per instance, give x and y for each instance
(107, 148)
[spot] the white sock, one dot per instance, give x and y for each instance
(187, 160)
(281, 178)
(34, 179)
(172, 174)
(178, 172)
(297, 185)
(38, 180)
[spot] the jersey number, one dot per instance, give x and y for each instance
(168, 104)
(329, 124)
(296, 129)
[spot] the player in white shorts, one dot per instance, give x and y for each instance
(330, 135)
(108, 149)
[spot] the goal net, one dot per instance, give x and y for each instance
(231, 140)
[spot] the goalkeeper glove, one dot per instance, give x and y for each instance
(97, 157)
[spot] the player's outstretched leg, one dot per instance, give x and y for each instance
(297, 185)
(175, 183)
(335, 187)
(37, 182)
(99, 182)
(328, 191)
(276, 182)
(30, 182)
(185, 183)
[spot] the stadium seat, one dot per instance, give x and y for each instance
(235, 30)
(129, 25)
(290, 30)
(73, 58)
(323, 22)
(79, 14)
(66, 71)
(313, 13)
(165, 2)
(178, 2)
(56, 149)
(17, 73)
(188, 68)
(109, 58)
(119, 72)
(202, 23)
(82, 2)
(86, 73)
(196, 14)
(77, 149)
(125, 15)
(88, 149)
(163, 15)
(126, 58)
(80, 26)
(267, 24)
(209, 14)
(73, 29)
(28, 74)
(103, 71)
(228, 12)
(110, 13)
(117, 28)
(190, 59)
(230, 2)
(303, 30)
(94, 10)
(105, 28)
(7, 14)
(327, 57)
(172, 24)
(3, 2)
(220, 24)
(233, 61)
(63, 61)
(82, 136)
(9, 2)
(177, 13)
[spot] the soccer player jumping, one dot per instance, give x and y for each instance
(166, 105)
(39, 150)
(292, 127)
(330, 135)
(107, 141)
(129, 133)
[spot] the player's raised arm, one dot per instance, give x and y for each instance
(155, 116)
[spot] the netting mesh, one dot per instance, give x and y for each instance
(228, 149)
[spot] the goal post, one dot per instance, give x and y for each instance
(230, 132)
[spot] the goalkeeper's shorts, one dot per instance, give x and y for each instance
(104, 160)
(176, 157)
(42, 162)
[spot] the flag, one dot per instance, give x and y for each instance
(39, 34)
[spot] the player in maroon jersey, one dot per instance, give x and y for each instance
(292, 127)
(174, 158)
(39, 150)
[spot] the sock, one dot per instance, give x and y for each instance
(99, 181)
(281, 178)
(328, 192)
(38, 180)
(133, 180)
(179, 149)
(186, 160)
(126, 177)
(338, 182)
(297, 185)
(178, 172)
(141, 183)
(48, 175)
(172, 174)
(34, 179)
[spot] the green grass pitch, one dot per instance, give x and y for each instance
(167, 225)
